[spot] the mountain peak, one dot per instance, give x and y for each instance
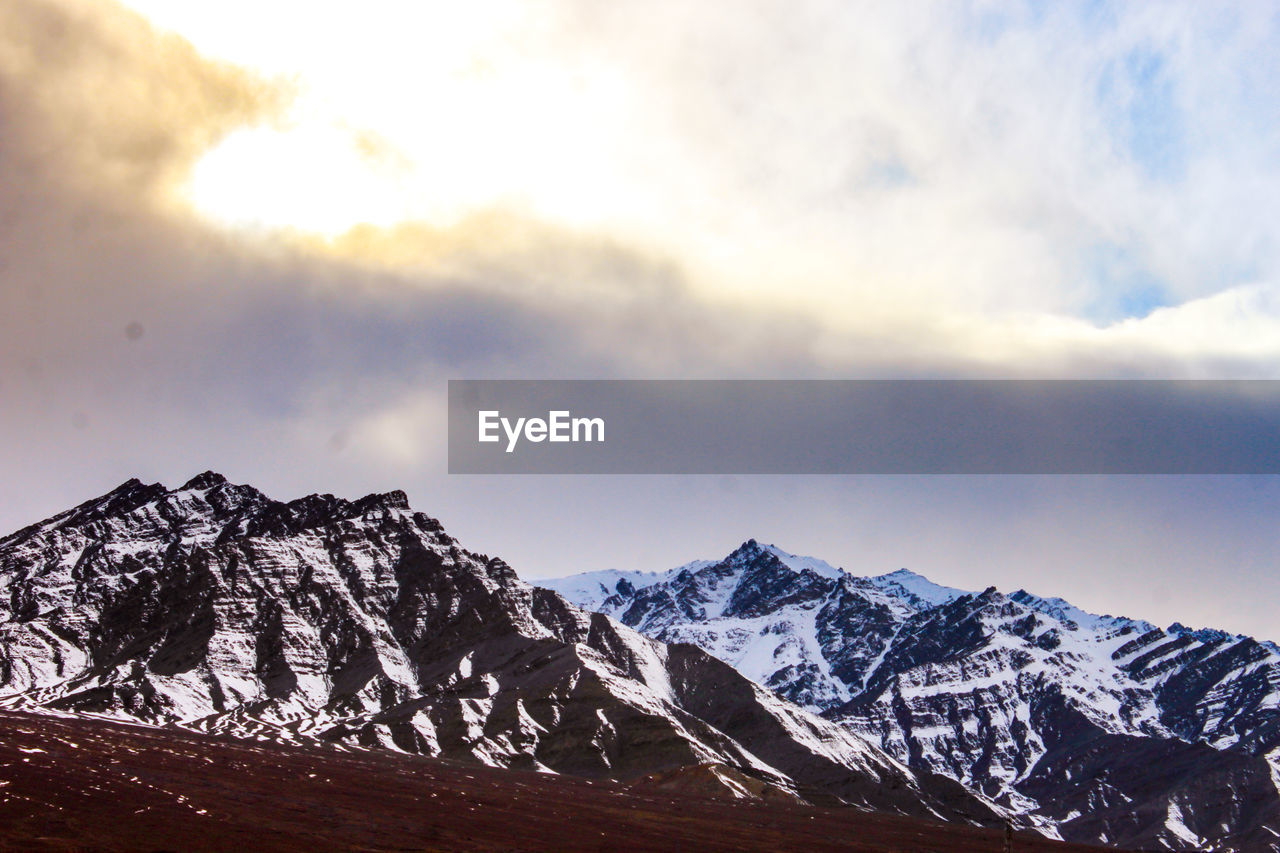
(753, 548)
(394, 499)
(204, 480)
(799, 563)
(917, 586)
(130, 490)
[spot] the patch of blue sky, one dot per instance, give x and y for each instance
(1139, 96)
(886, 173)
(1122, 286)
(1157, 135)
(989, 22)
(1137, 93)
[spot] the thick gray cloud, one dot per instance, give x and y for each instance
(137, 338)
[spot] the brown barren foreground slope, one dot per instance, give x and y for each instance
(74, 783)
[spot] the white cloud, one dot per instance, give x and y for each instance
(879, 166)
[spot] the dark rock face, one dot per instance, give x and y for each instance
(1067, 718)
(1143, 792)
(218, 609)
(716, 693)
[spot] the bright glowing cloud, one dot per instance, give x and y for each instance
(309, 178)
(420, 112)
(865, 163)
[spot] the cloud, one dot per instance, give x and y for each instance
(791, 190)
(138, 337)
(903, 197)
(965, 188)
(909, 194)
(110, 105)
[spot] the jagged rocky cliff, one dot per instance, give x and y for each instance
(1104, 728)
(213, 607)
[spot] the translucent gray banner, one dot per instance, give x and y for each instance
(864, 427)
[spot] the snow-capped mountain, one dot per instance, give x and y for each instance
(215, 608)
(1110, 729)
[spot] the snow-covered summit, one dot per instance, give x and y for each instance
(1071, 615)
(915, 587)
(987, 688)
(591, 589)
(597, 586)
(799, 563)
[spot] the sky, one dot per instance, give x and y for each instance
(259, 237)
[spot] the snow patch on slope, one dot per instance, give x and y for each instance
(798, 563)
(913, 586)
(590, 589)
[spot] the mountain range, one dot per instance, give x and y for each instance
(1099, 728)
(763, 676)
(362, 623)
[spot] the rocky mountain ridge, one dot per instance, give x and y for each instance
(214, 608)
(1110, 729)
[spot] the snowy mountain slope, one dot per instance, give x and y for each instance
(981, 686)
(218, 609)
(590, 589)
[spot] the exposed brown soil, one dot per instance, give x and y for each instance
(88, 784)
